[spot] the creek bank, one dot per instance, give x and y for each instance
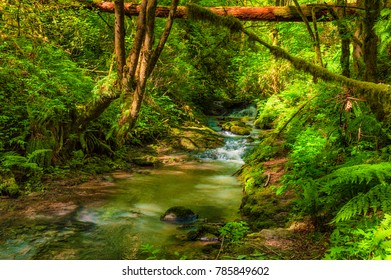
(275, 233)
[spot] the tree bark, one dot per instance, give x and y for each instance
(270, 13)
(164, 36)
(119, 39)
(134, 54)
(345, 39)
(141, 62)
(372, 13)
(144, 64)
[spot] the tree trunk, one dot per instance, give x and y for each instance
(270, 13)
(164, 36)
(144, 64)
(119, 39)
(141, 62)
(372, 13)
(345, 42)
(133, 71)
(345, 38)
(134, 54)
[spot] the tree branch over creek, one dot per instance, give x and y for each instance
(268, 13)
(374, 93)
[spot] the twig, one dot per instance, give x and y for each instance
(268, 180)
(221, 248)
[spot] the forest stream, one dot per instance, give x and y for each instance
(124, 222)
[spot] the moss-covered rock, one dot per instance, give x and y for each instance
(195, 138)
(146, 161)
(241, 130)
(179, 215)
(237, 127)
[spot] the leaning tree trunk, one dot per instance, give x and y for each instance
(366, 89)
(143, 71)
(133, 70)
(141, 62)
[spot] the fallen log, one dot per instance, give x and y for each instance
(270, 13)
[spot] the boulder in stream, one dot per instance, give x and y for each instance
(179, 215)
(237, 127)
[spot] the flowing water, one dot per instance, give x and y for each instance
(129, 219)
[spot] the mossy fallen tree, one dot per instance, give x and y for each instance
(372, 92)
(267, 13)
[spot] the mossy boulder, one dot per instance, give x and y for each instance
(146, 161)
(237, 127)
(241, 130)
(179, 215)
(195, 138)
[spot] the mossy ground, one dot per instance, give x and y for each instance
(275, 232)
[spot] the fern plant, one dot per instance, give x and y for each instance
(383, 28)
(366, 239)
(354, 190)
(377, 198)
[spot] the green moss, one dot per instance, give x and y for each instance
(146, 161)
(237, 127)
(264, 209)
(8, 186)
(194, 138)
(196, 12)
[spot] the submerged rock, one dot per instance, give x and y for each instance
(179, 215)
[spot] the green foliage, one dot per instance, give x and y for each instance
(39, 89)
(307, 149)
(150, 251)
(357, 189)
(255, 256)
(377, 198)
(8, 186)
(383, 28)
(362, 240)
(20, 173)
(234, 232)
(253, 179)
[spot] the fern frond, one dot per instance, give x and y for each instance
(34, 156)
(11, 159)
(374, 174)
(378, 197)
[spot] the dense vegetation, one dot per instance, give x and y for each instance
(57, 62)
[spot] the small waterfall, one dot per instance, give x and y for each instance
(233, 149)
(234, 145)
(250, 111)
